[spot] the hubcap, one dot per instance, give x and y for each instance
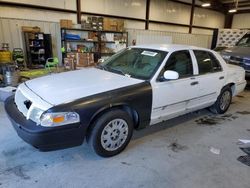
(114, 134)
(225, 100)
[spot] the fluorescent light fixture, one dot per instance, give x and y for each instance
(206, 5)
(232, 10)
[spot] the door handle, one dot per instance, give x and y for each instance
(194, 83)
(221, 78)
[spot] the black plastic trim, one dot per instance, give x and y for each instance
(44, 138)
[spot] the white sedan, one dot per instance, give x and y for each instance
(135, 88)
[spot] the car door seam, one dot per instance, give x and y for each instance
(183, 101)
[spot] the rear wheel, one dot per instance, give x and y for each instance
(223, 101)
(111, 133)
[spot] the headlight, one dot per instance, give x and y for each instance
(59, 119)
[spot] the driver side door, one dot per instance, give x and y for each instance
(170, 97)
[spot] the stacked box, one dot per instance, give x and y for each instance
(93, 22)
(66, 23)
(30, 29)
(70, 61)
(86, 25)
(113, 24)
(84, 59)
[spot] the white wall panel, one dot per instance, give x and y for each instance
(241, 21)
(10, 32)
(202, 31)
(169, 12)
(127, 8)
(65, 4)
(177, 38)
(163, 27)
(129, 24)
(208, 18)
(30, 14)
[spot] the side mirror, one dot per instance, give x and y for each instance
(101, 60)
(171, 75)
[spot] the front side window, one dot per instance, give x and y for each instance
(180, 62)
(207, 62)
(135, 62)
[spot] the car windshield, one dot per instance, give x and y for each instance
(135, 62)
(244, 41)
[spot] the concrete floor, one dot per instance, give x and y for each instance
(174, 154)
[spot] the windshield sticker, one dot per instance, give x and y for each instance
(152, 54)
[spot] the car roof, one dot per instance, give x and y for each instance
(169, 47)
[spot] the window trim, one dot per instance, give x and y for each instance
(180, 78)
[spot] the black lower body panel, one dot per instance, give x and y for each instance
(44, 138)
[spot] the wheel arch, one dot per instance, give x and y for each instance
(132, 113)
(232, 86)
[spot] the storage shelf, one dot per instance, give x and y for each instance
(91, 30)
(75, 29)
(113, 42)
(97, 44)
(36, 53)
(36, 46)
(75, 51)
(70, 40)
(37, 39)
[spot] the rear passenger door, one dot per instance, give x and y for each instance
(210, 77)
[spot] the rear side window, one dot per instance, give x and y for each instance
(207, 62)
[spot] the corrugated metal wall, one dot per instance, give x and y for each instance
(10, 32)
(177, 38)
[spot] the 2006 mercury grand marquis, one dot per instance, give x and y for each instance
(134, 88)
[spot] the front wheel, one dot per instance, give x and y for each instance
(223, 101)
(111, 133)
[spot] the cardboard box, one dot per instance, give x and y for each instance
(113, 24)
(120, 25)
(69, 64)
(84, 59)
(66, 23)
(31, 29)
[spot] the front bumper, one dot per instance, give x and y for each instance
(44, 138)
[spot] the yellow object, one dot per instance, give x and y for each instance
(58, 119)
(5, 56)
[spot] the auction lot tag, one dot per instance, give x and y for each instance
(152, 54)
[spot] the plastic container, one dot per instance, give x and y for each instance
(5, 56)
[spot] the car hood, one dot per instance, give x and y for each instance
(238, 51)
(69, 86)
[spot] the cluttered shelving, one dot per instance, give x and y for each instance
(86, 46)
(38, 48)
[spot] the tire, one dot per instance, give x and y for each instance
(223, 101)
(111, 133)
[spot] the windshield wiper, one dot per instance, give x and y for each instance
(102, 67)
(118, 71)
